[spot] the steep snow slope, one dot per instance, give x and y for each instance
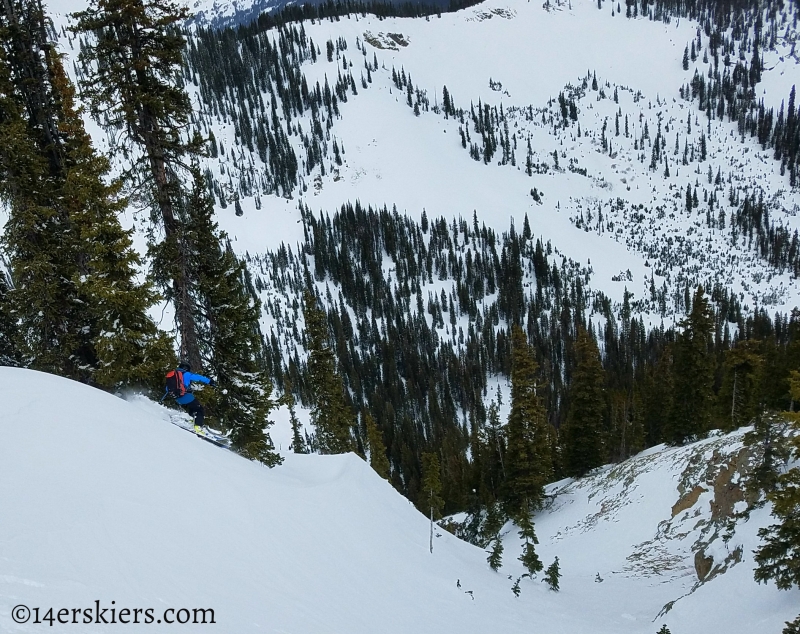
(650, 526)
(101, 499)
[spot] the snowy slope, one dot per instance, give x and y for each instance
(643, 524)
(103, 500)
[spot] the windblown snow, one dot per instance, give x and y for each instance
(104, 500)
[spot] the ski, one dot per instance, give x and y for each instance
(211, 439)
(205, 434)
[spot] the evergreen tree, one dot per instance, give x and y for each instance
(528, 464)
(80, 311)
(298, 443)
(490, 534)
(330, 414)
(377, 449)
(8, 327)
(230, 340)
(693, 374)
(430, 500)
(740, 393)
(132, 58)
(583, 431)
(778, 558)
(552, 575)
(792, 627)
(495, 558)
(529, 558)
(770, 450)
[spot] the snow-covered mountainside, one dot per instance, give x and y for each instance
(104, 500)
(604, 198)
(602, 205)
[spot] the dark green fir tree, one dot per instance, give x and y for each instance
(8, 327)
(430, 496)
(778, 557)
(529, 558)
(377, 449)
(528, 464)
(739, 395)
(230, 338)
(552, 575)
(132, 57)
(693, 375)
(331, 416)
(298, 442)
(583, 432)
(78, 308)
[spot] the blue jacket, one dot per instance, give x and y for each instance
(188, 377)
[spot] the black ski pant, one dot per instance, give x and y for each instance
(196, 411)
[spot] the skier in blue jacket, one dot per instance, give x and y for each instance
(188, 400)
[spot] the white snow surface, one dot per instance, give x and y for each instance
(104, 500)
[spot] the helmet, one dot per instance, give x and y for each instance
(185, 366)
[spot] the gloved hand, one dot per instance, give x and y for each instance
(212, 383)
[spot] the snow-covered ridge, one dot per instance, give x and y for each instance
(102, 499)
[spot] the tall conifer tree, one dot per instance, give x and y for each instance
(8, 326)
(229, 337)
(583, 432)
(81, 312)
(529, 558)
(693, 374)
(330, 413)
(377, 449)
(740, 394)
(132, 59)
(528, 464)
(430, 498)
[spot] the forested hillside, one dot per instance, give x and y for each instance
(481, 256)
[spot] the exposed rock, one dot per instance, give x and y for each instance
(688, 500)
(702, 564)
(728, 484)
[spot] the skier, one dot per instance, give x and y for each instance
(179, 386)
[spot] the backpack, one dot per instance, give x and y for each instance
(175, 385)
